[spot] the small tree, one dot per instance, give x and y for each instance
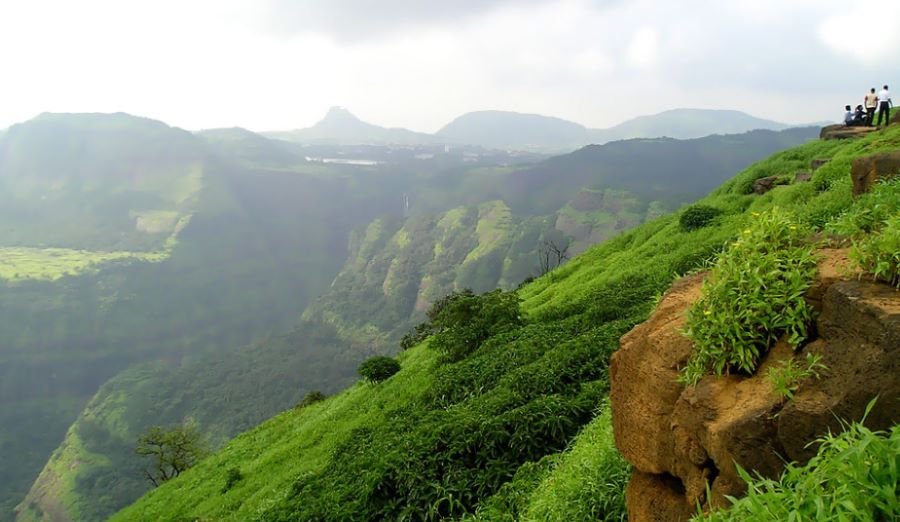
(172, 451)
(551, 254)
(378, 368)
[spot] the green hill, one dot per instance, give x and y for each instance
(268, 217)
(149, 247)
(684, 124)
(513, 426)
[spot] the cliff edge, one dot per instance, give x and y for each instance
(685, 441)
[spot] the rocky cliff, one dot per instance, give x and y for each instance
(685, 442)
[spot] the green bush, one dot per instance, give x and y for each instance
(462, 321)
(752, 297)
(879, 253)
(379, 368)
(698, 216)
(311, 398)
(854, 476)
(232, 477)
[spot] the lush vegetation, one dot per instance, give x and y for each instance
(253, 253)
(515, 425)
(854, 476)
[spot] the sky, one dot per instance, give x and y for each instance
(280, 64)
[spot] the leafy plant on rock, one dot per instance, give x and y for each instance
(786, 378)
(753, 296)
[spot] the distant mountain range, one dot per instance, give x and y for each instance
(340, 127)
(531, 132)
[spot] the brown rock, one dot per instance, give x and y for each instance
(763, 185)
(685, 443)
(649, 359)
(656, 498)
(866, 171)
(802, 177)
(818, 162)
(842, 132)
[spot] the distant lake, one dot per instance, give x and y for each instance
(345, 161)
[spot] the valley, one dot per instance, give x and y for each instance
(234, 276)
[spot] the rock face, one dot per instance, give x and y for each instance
(763, 185)
(818, 162)
(842, 132)
(866, 171)
(685, 441)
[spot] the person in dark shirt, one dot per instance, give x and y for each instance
(859, 116)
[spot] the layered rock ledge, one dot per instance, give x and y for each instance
(685, 441)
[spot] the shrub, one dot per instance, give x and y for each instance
(787, 377)
(869, 211)
(698, 216)
(879, 253)
(232, 477)
(853, 477)
(415, 336)
(311, 398)
(379, 368)
(752, 297)
(462, 321)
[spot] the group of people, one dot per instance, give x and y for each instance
(865, 116)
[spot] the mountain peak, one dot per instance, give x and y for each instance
(340, 114)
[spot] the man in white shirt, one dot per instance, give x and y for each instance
(884, 106)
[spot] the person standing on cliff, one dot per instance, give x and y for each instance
(884, 107)
(871, 105)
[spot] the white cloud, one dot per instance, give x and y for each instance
(864, 39)
(208, 63)
(643, 51)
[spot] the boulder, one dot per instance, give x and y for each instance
(656, 498)
(686, 441)
(802, 177)
(818, 162)
(763, 185)
(842, 132)
(867, 170)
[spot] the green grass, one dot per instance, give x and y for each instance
(512, 428)
(50, 264)
(292, 444)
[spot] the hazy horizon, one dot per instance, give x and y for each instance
(279, 64)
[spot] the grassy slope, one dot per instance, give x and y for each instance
(592, 299)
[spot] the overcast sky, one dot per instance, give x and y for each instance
(279, 64)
